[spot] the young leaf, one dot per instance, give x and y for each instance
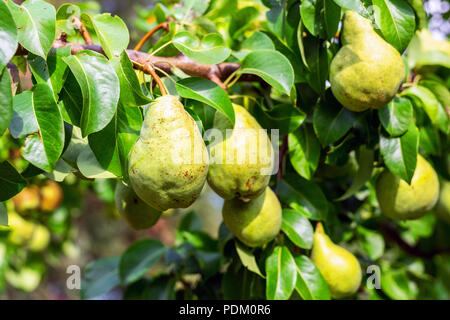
(211, 50)
(208, 92)
(304, 151)
(278, 73)
(111, 31)
(365, 162)
(396, 116)
(8, 35)
(100, 277)
(298, 228)
(3, 215)
(304, 196)
(247, 258)
(138, 258)
(310, 283)
(281, 274)
(130, 89)
(6, 101)
(396, 20)
(331, 122)
(100, 87)
(35, 21)
(400, 153)
(43, 148)
(10, 180)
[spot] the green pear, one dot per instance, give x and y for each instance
(443, 205)
(169, 162)
(367, 71)
(254, 222)
(136, 212)
(339, 267)
(400, 201)
(241, 162)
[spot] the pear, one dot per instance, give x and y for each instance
(27, 199)
(136, 212)
(51, 196)
(254, 222)
(340, 268)
(367, 71)
(400, 201)
(169, 162)
(241, 162)
(443, 205)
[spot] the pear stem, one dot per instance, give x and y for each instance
(83, 31)
(150, 70)
(163, 25)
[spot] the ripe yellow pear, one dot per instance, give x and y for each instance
(240, 164)
(400, 201)
(367, 71)
(443, 205)
(254, 222)
(51, 196)
(27, 199)
(136, 212)
(339, 267)
(169, 162)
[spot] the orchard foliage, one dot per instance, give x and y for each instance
(83, 111)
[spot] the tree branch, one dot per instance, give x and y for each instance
(215, 72)
(162, 25)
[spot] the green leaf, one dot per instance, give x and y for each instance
(104, 145)
(400, 153)
(317, 60)
(8, 35)
(23, 121)
(131, 93)
(396, 284)
(304, 151)
(443, 95)
(211, 50)
(310, 283)
(111, 31)
(247, 258)
(372, 242)
(64, 16)
(256, 41)
(208, 92)
(276, 16)
(284, 117)
(278, 73)
(304, 196)
(3, 215)
(35, 21)
(281, 274)
(10, 180)
(365, 167)
(320, 17)
(429, 139)
(71, 100)
(44, 147)
(240, 20)
(138, 258)
(100, 87)
(6, 100)
(331, 122)
(396, 20)
(100, 277)
(188, 10)
(298, 228)
(52, 72)
(129, 123)
(354, 5)
(396, 117)
(423, 97)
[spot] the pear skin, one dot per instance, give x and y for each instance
(136, 212)
(400, 201)
(367, 71)
(169, 162)
(254, 222)
(240, 164)
(443, 205)
(340, 268)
